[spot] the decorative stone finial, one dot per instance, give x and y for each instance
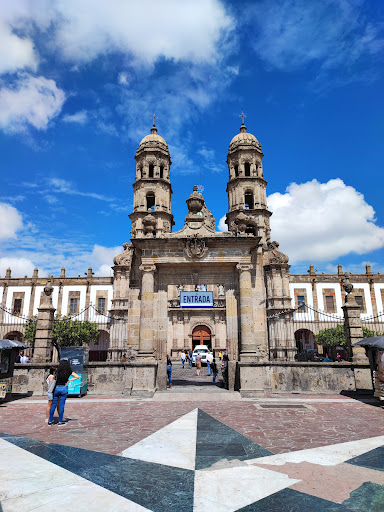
(195, 201)
(8, 273)
(311, 271)
(368, 270)
(62, 273)
(35, 272)
(339, 270)
(46, 297)
(347, 285)
(90, 273)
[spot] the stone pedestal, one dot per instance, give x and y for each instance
(144, 378)
(44, 325)
(354, 333)
(254, 379)
(146, 312)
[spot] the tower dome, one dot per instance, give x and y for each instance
(153, 140)
(244, 139)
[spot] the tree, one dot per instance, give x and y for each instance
(335, 336)
(65, 332)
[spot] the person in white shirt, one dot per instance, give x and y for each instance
(24, 358)
(183, 357)
(209, 361)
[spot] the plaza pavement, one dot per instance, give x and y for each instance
(194, 447)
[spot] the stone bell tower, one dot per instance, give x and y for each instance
(151, 216)
(247, 199)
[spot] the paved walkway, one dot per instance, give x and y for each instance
(195, 450)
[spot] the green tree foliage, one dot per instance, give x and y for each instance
(335, 336)
(65, 332)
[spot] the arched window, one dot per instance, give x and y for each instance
(161, 171)
(236, 170)
(151, 168)
(150, 201)
(248, 201)
(250, 230)
(247, 169)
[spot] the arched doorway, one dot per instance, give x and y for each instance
(305, 340)
(14, 335)
(201, 335)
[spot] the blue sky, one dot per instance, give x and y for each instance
(80, 79)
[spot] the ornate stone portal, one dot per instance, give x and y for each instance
(246, 273)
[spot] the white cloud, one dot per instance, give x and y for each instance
(222, 225)
(322, 221)
(66, 187)
(11, 221)
(80, 117)
(30, 101)
(332, 34)
(20, 267)
(16, 53)
(124, 78)
(50, 199)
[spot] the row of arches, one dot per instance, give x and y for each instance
(247, 169)
(149, 172)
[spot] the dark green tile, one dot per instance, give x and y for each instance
(373, 459)
(369, 497)
(154, 486)
(216, 441)
(289, 500)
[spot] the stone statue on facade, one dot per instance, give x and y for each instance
(125, 258)
(274, 256)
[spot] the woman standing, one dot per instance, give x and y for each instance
(63, 372)
(169, 372)
(198, 363)
(214, 370)
(49, 379)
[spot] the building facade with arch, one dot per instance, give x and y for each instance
(255, 299)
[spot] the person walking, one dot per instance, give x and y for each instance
(63, 373)
(198, 363)
(190, 354)
(224, 370)
(209, 362)
(183, 356)
(23, 358)
(220, 355)
(169, 372)
(214, 370)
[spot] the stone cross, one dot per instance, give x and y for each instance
(154, 117)
(243, 116)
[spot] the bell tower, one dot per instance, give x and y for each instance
(151, 216)
(247, 198)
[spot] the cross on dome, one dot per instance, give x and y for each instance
(154, 117)
(243, 116)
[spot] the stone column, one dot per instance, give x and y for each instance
(353, 329)
(45, 316)
(146, 311)
(247, 342)
(354, 333)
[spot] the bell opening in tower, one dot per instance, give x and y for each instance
(150, 201)
(247, 169)
(151, 168)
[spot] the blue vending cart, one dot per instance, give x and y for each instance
(78, 359)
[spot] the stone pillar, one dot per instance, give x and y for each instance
(247, 342)
(353, 329)
(45, 317)
(354, 333)
(146, 312)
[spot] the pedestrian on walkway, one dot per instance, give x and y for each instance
(209, 362)
(48, 380)
(214, 370)
(220, 356)
(23, 358)
(198, 363)
(169, 372)
(224, 370)
(190, 353)
(183, 356)
(63, 373)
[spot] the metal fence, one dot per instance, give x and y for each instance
(309, 328)
(12, 327)
(111, 336)
(373, 325)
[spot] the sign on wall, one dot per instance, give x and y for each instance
(196, 299)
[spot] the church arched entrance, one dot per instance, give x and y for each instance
(201, 335)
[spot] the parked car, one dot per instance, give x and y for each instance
(310, 354)
(203, 350)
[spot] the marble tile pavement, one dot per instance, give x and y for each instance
(291, 453)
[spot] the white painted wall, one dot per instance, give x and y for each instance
(55, 297)
(92, 298)
(308, 315)
(320, 299)
(73, 288)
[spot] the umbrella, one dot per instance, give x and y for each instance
(7, 344)
(372, 341)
